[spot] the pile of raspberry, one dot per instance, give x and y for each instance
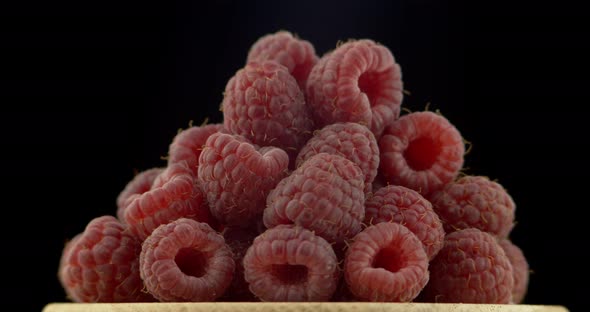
(313, 188)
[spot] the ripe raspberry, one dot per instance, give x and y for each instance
(290, 263)
(325, 195)
(263, 103)
(175, 194)
(386, 263)
(349, 140)
(237, 177)
(239, 240)
(358, 82)
(102, 264)
(141, 183)
(475, 201)
(186, 260)
(470, 268)
(295, 54)
(405, 206)
(65, 256)
(187, 145)
(421, 151)
(520, 269)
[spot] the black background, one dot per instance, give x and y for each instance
(90, 92)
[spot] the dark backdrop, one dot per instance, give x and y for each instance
(91, 92)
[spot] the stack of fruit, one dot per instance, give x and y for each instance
(313, 189)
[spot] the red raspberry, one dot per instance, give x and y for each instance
(237, 177)
(475, 201)
(358, 82)
(186, 260)
(470, 268)
(141, 183)
(263, 103)
(239, 240)
(325, 195)
(295, 54)
(349, 140)
(421, 151)
(386, 263)
(175, 194)
(520, 269)
(65, 256)
(290, 263)
(187, 145)
(405, 206)
(102, 264)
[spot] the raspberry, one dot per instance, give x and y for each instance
(187, 145)
(175, 194)
(186, 260)
(237, 177)
(239, 240)
(358, 82)
(102, 264)
(386, 263)
(141, 183)
(405, 206)
(295, 54)
(325, 195)
(475, 201)
(65, 256)
(470, 268)
(349, 140)
(520, 269)
(421, 151)
(290, 263)
(263, 103)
